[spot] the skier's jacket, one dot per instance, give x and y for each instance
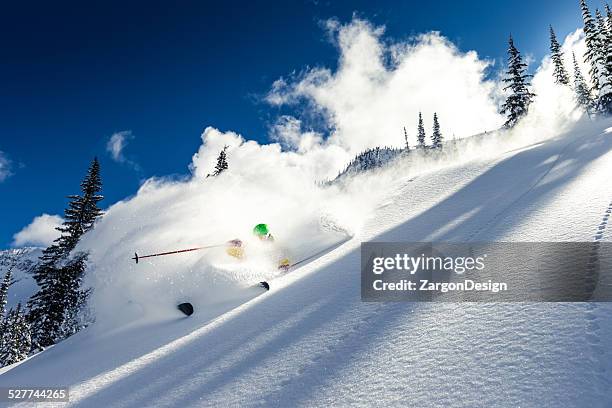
(235, 247)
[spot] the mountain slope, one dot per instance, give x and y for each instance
(312, 342)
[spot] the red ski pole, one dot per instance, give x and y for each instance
(137, 258)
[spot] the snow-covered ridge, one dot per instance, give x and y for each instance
(22, 261)
(379, 157)
(371, 159)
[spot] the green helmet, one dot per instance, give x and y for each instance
(261, 230)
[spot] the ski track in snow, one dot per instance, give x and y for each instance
(595, 315)
(310, 341)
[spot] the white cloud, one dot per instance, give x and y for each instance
(288, 130)
(5, 167)
(116, 146)
(117, 143)
(248, 158)
(40, 232)
(379, 88)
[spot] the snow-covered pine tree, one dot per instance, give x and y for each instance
(221, 165)
(44, 314)
(583, 94)
(421, 132)
(556, 55)
(83, 209)
(406, 139)
(593, 47)
(22, 332)
(6, 282)
(436, 135)
(59, 276)
(16, 339)
(517, 103)
(604, 100)
(75, 298)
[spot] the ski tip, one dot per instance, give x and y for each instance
(265, 285)
(135, 257)
(186, 308)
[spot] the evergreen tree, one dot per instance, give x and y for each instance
(45, 312)
(583, 94)
(83, 210)
(436, 136)
(517, 103)
(75, 298)
(58, 275)
(604, 102)
(16, 339)
(406, 139)
(556, 55)
(608, 24)
(421, 132)
(6, 282)
(593, 46)
(221, 165)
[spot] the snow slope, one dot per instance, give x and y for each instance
(310, 341)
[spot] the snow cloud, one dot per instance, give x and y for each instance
(379, 88)
(263, 184)
(116, 146)
(288, 131)
(40, 232)
(5, 167)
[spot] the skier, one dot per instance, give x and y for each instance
(235, 247)
(262, 232)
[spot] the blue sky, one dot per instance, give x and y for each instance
(74, 74)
